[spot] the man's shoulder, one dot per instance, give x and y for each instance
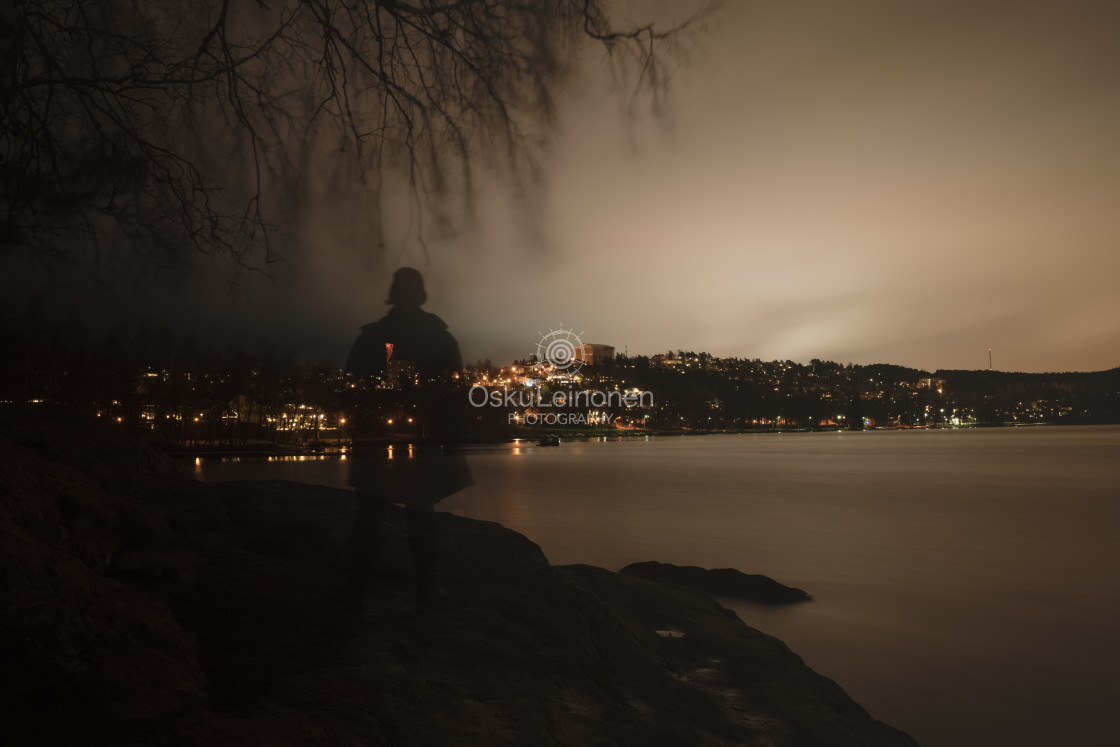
(434, 321)
(417, 330)
(374, 327)
(412, 317)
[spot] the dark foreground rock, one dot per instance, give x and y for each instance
(139, 607)
(726, 582)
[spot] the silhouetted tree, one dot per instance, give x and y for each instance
(169, 124)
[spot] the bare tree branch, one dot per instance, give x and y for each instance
(175, 129)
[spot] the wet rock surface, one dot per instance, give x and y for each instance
(140, 607)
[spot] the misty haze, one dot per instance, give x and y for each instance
(536, 373)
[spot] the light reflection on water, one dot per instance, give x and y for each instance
(964, 581)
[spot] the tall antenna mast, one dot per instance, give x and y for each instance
(989, 359)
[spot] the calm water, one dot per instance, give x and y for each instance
(965, 581)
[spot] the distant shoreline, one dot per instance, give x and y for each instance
(267, 451)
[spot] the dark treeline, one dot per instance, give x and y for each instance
(148, 378)
(699, 390)
(185, 394)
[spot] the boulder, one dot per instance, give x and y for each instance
(726, 582)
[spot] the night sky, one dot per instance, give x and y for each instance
(864, 182)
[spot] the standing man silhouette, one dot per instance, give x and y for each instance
(408, 365)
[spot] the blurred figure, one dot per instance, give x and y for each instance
(408, 364)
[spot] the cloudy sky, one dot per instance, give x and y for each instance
(869, 182)
(901, 182)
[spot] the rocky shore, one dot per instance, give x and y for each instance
(727, 582)
(140, 607)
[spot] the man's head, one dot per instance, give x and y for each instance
(407, 288)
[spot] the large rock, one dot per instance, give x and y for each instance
(141, 608)
(727, 582)
(83, 644)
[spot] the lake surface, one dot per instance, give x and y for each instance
(965, 581)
